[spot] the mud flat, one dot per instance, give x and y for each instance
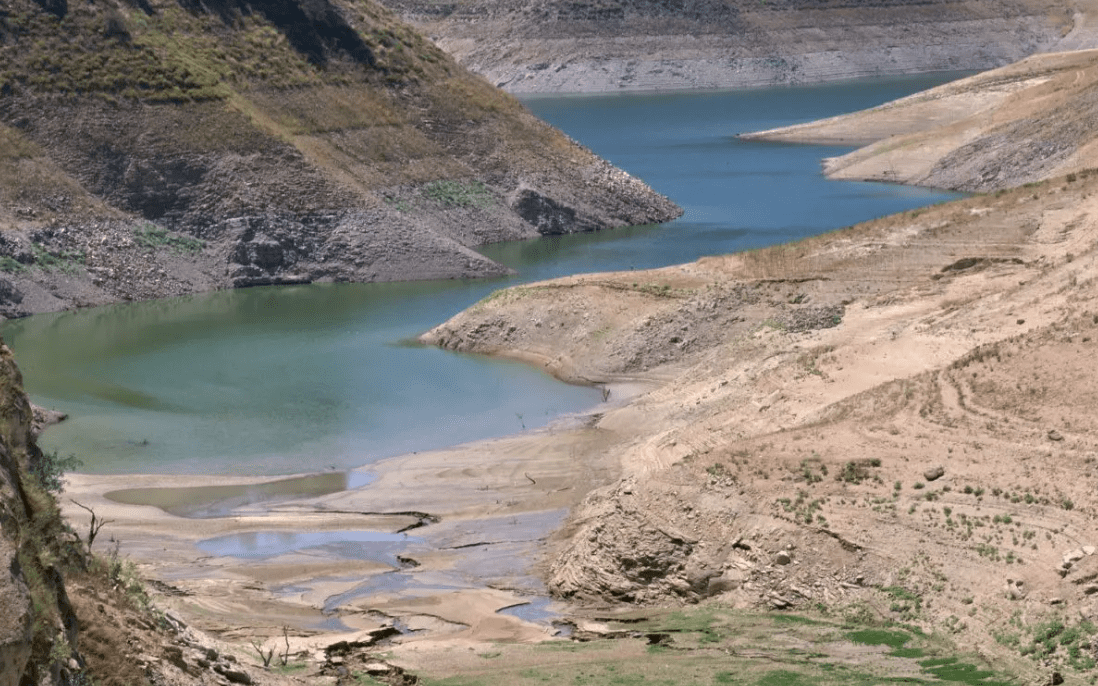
(436, 542)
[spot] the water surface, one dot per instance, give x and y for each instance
(306, 378)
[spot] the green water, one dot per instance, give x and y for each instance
(295, 379)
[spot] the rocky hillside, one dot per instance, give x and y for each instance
(158, 147)
(39, 629)
(611, 45)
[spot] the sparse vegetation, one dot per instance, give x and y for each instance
(453, 193)
(11, 265)
(153, 237)
(66, 261)
(49, 470)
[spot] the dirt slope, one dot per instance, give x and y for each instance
(614, 45)
(1001, 128)
(809, 394)
(161, 148)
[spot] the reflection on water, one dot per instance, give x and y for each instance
(372, 546)
(292, 379)
(248, 382)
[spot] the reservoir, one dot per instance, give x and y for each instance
(296, 379)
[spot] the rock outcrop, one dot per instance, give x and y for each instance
(38, 628)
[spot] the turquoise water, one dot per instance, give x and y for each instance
(294, 379)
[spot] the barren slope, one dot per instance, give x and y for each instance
(612, 45)
(808, 394)
(1018, 124)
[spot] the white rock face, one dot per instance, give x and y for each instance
(527, 47)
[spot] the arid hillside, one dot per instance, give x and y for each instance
(891, 422)
(158, 148)
(1010, 126)
(612, 45)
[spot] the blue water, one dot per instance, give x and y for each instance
(296, 379)
(373, 546)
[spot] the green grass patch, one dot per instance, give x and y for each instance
(459, 193)
(798, 619)
(960, 672)
(714, 645)
(65, 261)
(11, 265)
(880, 637)
(784, 677)
(154, 237)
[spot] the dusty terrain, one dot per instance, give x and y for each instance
(1006, 127)
(810, 395)
(613, 45)
(889, 423)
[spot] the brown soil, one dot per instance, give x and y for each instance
(808, 394)
(210, 149)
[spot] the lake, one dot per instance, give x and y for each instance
(294, 379)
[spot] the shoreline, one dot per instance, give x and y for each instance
(499, 499)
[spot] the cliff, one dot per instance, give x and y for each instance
(38, 628)
(158, 148)
(612, 45)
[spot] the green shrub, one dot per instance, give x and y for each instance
(49, 469)
(11, 265)
(152, 236)
(459, 193)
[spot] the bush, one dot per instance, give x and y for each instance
(48, 469)
(459, 194)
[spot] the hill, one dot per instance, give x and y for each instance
(1010, 126)
(888, 422)
(158, 148)
(613, 45)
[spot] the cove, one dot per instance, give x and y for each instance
(298, 379)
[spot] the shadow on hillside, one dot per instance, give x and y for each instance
(314, 28)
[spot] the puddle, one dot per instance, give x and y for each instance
(373, 546)
(412, 584)
(333, 624)
(536, 611)
(205, 502)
